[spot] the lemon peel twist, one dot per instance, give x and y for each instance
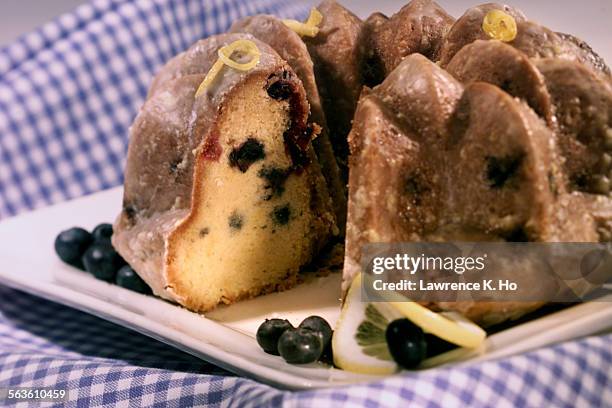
(499, 25)
(308, 29)
(225, 53)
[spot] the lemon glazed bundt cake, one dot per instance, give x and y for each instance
(224, 198)
(490, 127)
(504, 139)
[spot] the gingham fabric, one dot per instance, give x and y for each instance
(68, 93)
(47, 345)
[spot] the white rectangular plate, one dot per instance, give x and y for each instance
(225, 337)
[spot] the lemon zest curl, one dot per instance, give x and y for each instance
(308, 29)
(499, 26)
(225, 53)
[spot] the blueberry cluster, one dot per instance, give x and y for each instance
(94, 253)
(309, 342)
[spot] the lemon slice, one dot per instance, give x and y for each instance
(358, 342)
(449, 326)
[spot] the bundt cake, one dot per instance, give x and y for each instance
(223, 198)
(490, 127)
(509, 142)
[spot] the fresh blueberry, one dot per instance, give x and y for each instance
(320, 326)
(127, 278)
(300, 346)
(102, 261)
(71, 244)
(327, 356)
(406, 342)
(102, 232)
(269, 332)
(436, 345)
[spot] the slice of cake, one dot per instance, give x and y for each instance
(337, 53)
(288, 44)
(224, 198)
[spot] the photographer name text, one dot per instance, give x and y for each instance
(421, 285)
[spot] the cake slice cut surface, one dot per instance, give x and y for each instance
(223, 197)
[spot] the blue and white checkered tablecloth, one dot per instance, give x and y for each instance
(68, 93)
